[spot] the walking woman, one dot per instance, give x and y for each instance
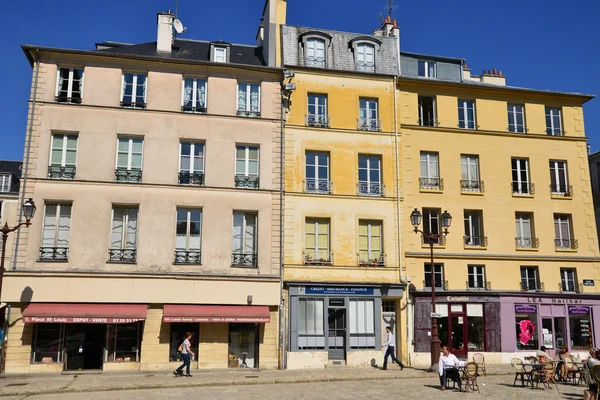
(186, 351)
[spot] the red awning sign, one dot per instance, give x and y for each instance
(84, 313)
(202, 313)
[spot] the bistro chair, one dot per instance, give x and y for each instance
(595, 375)
(545, 376)
(471, 377)
(574, 373)
(520, 372)
(480, 360)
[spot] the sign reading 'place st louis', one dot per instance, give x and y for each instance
(336, 290)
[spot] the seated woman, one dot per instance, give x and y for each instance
(593, 360)
(562, 367)
(446, 368)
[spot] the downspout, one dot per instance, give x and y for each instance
(282, 345)
(23, 187)
(397, 159)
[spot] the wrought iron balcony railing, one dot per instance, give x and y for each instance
(246, 182)
(476, 241)
(318, 186)
(133, 104)
(523, 188)
(561, 190)
(438, 241)
(428, 122)
(188, 257)
(531, 286)
(128, 175)
(54, 253)
(570, 244)
(369, 124)
(194, 110)
(469, 185)
(527, 243)
(365, 67)
(68, 99)
(570, 287)
(127, 256)
(317, 120)
(310, 259)
(58, 172)
(439, 284)
(315, 62)
(431, 183)
(370, 189)
(249, 260)
(371, 262)
(248, 113)
(191, 178)
(479, 285)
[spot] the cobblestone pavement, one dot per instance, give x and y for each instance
(492, 388)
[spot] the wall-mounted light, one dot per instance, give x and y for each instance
(249, 299)
(288, 73)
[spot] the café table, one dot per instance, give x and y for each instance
(462, 369)
(535, 367)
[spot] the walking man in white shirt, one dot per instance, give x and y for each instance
(445, 368)
(390, 342)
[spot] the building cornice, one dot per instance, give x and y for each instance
(140, 275)
(509, 257)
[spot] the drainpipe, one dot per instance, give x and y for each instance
(397, 158)
(282, 330)
(23, 187)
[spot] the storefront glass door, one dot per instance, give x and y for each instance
(337, 332)
(554, 332)
(458, 329)
(84, 346)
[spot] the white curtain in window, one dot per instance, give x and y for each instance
(187, 92)
(429, 165)
(470, 167)
(117, 228)
(49, 229)
(250, 234)
(242, 96)
(64, 226)
(131, 228)
(362, 316)
(254, 103)
(238, 226)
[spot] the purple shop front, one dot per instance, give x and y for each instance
(534, 321)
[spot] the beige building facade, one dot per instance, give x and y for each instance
(10, 179)
(155, 169)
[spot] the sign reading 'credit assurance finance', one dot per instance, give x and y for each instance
(337, 290)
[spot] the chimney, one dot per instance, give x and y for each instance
(164, 38)
(274, 15)
(260, 34)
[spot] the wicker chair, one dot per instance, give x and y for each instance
(480, 360)
(520, 372)
(545, 376)
(595, 375)
(471, 377)
(574, 373)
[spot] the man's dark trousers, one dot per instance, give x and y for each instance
(390, 352)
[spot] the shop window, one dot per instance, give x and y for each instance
(178, 332)
(388, 305)
(311, 334)
(47, 343)
(475, 327)
(123, 342)
(526, 322)
(580, 323)
(362, 324)
(443, 322)
(243, 345)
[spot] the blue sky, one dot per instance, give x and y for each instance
(541, 44)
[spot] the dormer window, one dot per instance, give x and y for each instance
(220, 54)
(315, 52)
(365, 57)
(427, 69)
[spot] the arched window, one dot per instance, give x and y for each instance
(365, 57)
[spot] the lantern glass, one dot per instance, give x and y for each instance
(446, 220)
(29, 209)
(415, 218)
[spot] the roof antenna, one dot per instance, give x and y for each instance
(179, 28)
(390, 8)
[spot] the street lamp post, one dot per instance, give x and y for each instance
(431, 238)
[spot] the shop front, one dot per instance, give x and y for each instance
(549, 320)
(331, 324)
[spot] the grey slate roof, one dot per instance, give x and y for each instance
(339, 52)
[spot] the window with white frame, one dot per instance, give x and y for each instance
(520, 176)
(317, 172)
(476, 275)
(69, 85)
(220, 54)
(568, 280)
(362, 323)
(189, 231)
(427, 111)
(194, 95)
(133, 91)
(563, 236)
(123, 241)
(427, 69)
(466, 114)
(524, 235)
(244, 238)
(5, 182)
(63, 156)
(470, 179)
(191, 163)
(430, 171)
(365, 57)
(438, 273)
(55, 232)
(248, 100)
(246, 166)
(317, 241)
(369, 175)
(553, 121)
(529, 278)
(368, 116)
(432, 223)
(311, 329)
(559, 182)
(370, 243)
(129, 159)
(516, 118)
(317, 110)
(474, 228)
(315, 52)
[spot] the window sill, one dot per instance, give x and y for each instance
(522, 195)
(187, 263)
(527, 249)
(468, 193)
(43, 260)
(438, 191)
(435, 246)
(558, 250)
(121, 262)
(244, 266)
(466, 247)
(559, 196)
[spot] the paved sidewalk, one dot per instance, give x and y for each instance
(24, 385)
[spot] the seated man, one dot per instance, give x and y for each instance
(543, 355)
(447, 360)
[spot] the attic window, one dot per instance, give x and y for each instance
(5, 183)
(427, 69)
(220, 54)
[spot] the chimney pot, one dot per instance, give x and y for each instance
(499, 73)
(395, 26)
(495, 71)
